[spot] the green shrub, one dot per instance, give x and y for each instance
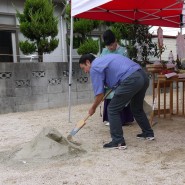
(89, 46)
(27, 47)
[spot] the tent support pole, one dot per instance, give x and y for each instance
(70, 69)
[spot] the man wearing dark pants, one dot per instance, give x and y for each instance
(130, 83)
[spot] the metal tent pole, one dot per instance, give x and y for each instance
(70, 68)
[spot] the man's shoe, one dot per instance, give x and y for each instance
(144, 136)
(121, 146)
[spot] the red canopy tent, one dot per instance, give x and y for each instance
(168, 13)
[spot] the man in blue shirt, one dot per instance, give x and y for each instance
(130, 83)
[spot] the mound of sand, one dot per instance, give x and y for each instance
(47, 144)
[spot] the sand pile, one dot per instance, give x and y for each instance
(47, 144)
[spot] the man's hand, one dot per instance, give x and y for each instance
(92, 111)
(97, 101)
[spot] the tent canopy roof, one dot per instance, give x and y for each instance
(166, 13)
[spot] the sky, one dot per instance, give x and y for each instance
(167, 31)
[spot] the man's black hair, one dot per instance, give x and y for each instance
(108, 37)
(85, 57)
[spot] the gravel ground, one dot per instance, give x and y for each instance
(158, 162)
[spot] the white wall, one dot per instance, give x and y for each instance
(170, 44)
(6, 6)
(57, 54)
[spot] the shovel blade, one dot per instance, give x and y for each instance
(79, 125)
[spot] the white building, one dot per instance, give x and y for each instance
(170, 35)
(10, 34)
(169, 44)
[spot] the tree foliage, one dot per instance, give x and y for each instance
(40, 27)
(89, 46)
(82, 30)
(139, 42)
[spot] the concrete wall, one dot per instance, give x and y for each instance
(33, 86)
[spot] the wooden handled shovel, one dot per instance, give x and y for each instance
(81, 123)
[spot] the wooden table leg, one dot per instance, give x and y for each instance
(153, 85)
(164, 99)
(158, 92)
(171, 98)
(183, 89)
(177, 97)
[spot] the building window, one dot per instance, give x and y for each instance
(6, 50)
(8, 43)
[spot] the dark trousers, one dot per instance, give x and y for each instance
(125, 114)
(131, 89)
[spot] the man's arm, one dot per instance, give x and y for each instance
(97, 101)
